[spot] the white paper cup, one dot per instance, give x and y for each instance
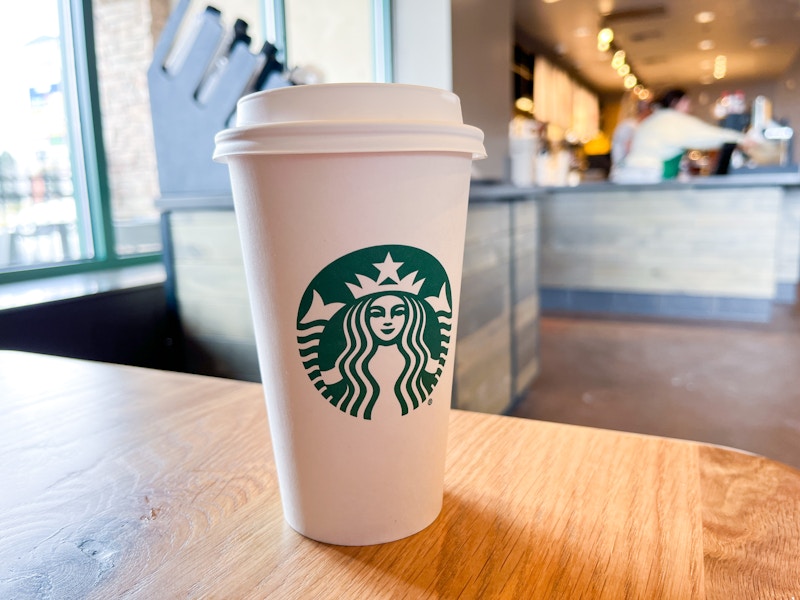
(351, 201)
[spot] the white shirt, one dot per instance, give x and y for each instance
(667, 133)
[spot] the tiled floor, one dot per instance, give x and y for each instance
(734, 385)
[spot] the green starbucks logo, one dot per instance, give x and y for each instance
(373, 327)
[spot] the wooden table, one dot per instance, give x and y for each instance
(119, 482)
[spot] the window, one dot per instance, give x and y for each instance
(78, 172)
(73, 195)
(341, 41)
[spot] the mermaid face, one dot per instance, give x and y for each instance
(387, 316)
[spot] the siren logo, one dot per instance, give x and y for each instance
(374, 330)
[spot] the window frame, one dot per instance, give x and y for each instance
(90, 167)
(382, 41)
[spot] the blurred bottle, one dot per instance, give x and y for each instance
(732, 112)
(523, 142)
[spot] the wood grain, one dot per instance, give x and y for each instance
(751, 526)
(787, 265)
(714, 242)
(483, 376)
(121, 482)
(211, 293)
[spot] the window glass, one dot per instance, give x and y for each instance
(50, 201)
(124, 34)
(43, 207)
(332, 41)
(126, 31)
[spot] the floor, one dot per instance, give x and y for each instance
(728, 384)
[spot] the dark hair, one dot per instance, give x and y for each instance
(671, 97)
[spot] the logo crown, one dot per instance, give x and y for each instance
(388, 271)
(367, 286)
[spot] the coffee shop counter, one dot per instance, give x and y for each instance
(496, 355)
(719, 248)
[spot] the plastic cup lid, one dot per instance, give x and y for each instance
(352, 117)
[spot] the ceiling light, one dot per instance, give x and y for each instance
(605, 36)
(629, 81)
(720, 66)
(623, 70)
(618, 60)
(605, 6)
(705, 17)
(549, 1)
(524, 104)
(706, 45)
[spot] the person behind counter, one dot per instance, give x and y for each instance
(661, 139)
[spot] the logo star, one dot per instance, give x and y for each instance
(388, 269)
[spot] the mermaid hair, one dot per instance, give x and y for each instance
(360, 347)
(410, 388)
(361, 388)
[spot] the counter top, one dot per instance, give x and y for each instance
(127, 482)
(483, 191)
(67, 287)
(498, 191)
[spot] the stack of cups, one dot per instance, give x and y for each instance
(351, 201)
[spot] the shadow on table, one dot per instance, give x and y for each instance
(473, 551)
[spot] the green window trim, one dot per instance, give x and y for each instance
(29, 273)
(382, 40)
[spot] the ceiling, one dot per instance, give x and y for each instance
(759, 38)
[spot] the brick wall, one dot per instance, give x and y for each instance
(124, 37)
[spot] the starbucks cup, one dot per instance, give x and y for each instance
(351, 202)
